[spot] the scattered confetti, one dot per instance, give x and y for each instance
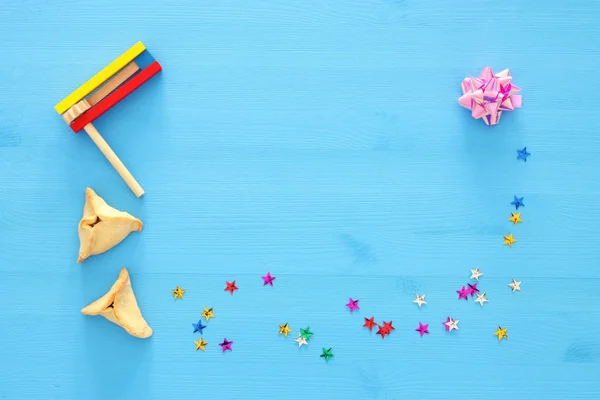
(353, 305)
(501, 333)
(301, 340)
(518, 202)
(475, 273)
(230, 287)
(515, 285)
(226, 345)
(509, 240)
(472, 289)
(451, 324)
(488, 95)
(422, 329)
(420, 300)
(515, 218)
(327, 354)
(268, 279)
(463, 293)
(523, 154)
(198, 327)
(178, 292)
(207, 313)
(284, 329)
(370, 323)
(481, 299)
(306, 333)
(200, 344)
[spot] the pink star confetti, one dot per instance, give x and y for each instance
(353, 305)
(472, 289)
(463, 293)
(422, 329)
(268, 279)
(226, 345)
(490, 94)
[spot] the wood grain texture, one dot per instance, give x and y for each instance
(320, 140)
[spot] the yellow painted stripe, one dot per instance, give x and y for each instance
(100, 77)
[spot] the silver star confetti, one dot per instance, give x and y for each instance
(515, 285)
(475, 274)
(451, 324)
(481, 299)
(301, 340)
(420, 300)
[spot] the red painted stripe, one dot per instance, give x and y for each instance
(119, 94)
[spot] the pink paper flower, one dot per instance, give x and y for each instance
(490, 94)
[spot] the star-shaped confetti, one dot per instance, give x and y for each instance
(268, 279)
(523, 154)
(230, 287)
(353, 305)
(386, 329)
(422, 329)
(200, 344)
(481, 298)
(420, 299)
(178, 292)
(476, 273)
(301, 340)
(284, 329)
(509, 240)
(327, 354)
(472, 289)
(501, 333)
(451, 324)
(463, 293)
(515, 218)
(198, 327)
(306, 333)
(207, 313)
(370, 323)
(518, 202)
(226, 345)
(514, 285)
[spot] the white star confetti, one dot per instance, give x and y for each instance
(301, 341)
(475, 274)
(451, 324)
(481, 299)
(515, 285)
(420, 300)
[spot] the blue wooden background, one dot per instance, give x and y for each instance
(320, 140)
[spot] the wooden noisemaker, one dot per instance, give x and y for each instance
(105, 89)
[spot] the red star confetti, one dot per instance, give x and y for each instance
(230, 287)
(370, 323)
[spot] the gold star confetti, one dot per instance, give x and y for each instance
(200, 344)
(501, 333)
(515, 285)
(284, 329)
(509, 240)
(476, 273)
(207, 313)
(515, 218)
(420, 300)
(178, 292)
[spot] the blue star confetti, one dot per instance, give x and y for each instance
(198, 327)
(518, 202)
(523, 154)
